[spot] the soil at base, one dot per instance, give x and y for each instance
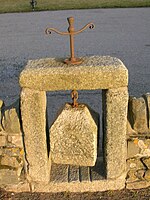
(142, 194)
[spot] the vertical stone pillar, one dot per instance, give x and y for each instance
(33, 111)
(115, 103)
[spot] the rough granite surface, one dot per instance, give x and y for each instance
(115, 103)
(147, 99)
(96, 72)
(77, 186)
(138, 114)
(33, 111)
(73, 136)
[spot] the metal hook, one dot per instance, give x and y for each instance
(74, 96)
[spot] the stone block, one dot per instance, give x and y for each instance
(10, 161)
(20, 186)
(10, 120)
(33, 111)
(135, 163)
(130, 130)
(3, 140)
(16, 140)
(1, 151)
(134, 175)
(146, 161)
(73, 136)
(13, 159)
(131, 176)
(13, 151)
(138, 185)
(133, 149)
(144, 147)
(8, 176)
(115, 103)
(147, 175)
(140, 174)
(96, 72)
(138, 114)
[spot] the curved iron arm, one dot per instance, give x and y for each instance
(90, 25)
(49, 31)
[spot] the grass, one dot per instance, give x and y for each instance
(7, 6)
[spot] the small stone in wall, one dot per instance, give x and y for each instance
(132, 149)
(10, 120)
(130, 130)
(140, 174)
(1, 151)
(131, 176)
(3, 141)
(144, 148)
(12, 158)
(8, 176)
(137, 114)
(9, 161)
(15, 140)
(134, 163)
(146, 161)
(13, 151)
(147, 175)
(138, 184)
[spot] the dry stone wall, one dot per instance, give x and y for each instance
(138, 142)
(11, 144)
(12, 160)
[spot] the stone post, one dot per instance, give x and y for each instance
(33, 109)
(115, 103)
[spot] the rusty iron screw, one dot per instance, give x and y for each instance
(74, 96)
(71, 32)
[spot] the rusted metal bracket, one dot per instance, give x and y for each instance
(74, 96)
(71, 32)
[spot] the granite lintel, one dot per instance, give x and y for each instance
(96, 72)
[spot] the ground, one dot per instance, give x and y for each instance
(142, 194)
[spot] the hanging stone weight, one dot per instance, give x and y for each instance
(73, 136)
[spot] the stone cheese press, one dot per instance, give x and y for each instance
(74, 133)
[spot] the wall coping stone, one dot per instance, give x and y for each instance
(96, 72)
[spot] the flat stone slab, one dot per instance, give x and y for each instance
(95, 186)
(96, 72)
(70, 173)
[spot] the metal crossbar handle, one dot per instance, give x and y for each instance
(71, 32)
